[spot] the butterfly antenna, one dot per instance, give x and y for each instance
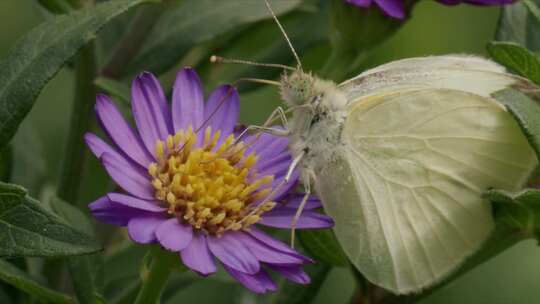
(218, 59)
(284, 33)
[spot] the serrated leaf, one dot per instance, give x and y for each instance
(517, 24)
(27, 229)
(192, 22)
(323, 246)
(38, 56)
(516, 58)
(114, 88)
(19, 279)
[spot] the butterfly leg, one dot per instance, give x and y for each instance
(307, 189)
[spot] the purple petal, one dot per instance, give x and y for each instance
(127, 176)
(233, 253)
(174, 236)
(114, 214)
(277, 160)
(120, 132)
(187, 100)
(293, 202)
(361, 3)
(268, 254)
(274, 243)
(293, 273)
(142, 229)
(222, 110)
(393, 8)
(149, 108)
(308, 220)
(258, 283)
(279, 172)
(266, 145)
(98, 146)
(197, 256)
(133, 202)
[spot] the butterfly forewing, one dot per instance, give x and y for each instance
(406, 191)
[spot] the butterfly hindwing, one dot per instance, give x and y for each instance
(405, 191)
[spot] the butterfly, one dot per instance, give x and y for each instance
(400, 156)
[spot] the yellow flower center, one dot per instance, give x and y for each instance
(213, 188)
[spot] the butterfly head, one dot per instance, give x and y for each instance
(300, 88)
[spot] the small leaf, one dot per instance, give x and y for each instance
(56, 6)
(290, 293)
(533, 8)
(520, 211)
(80, 272)
(516, 58)
(323, 246)
(114, 88)
(526, 111)
(195, 21)
(19, 279)
(517, 24)
(38, 56)
(27, 229)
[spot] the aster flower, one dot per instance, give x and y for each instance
(396, 8)
(201, 193)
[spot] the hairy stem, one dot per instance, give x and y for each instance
(81, 118)
(155, 280)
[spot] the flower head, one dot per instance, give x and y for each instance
(396, 8)
(193, 186)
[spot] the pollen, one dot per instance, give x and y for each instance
(212, 186)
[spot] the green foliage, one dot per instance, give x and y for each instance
(517, 24)
(114, 88)
(290, 293)
(38, 56)
(21, 280)
(192, 22)
(516, 58)
(323, 246)
(27, 229)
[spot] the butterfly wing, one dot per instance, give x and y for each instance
(409, 210)
(464, 73)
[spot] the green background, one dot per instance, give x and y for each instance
(513, 277)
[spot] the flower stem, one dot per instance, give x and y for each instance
(81, 117)
(155, 280)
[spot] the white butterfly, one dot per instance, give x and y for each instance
(400, 156)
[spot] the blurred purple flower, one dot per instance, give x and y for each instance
(201, 193)
(396, 8)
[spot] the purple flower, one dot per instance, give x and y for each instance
(396, 8)
(201, 193)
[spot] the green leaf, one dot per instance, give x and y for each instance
(517, 24)
(192, 22)
(56, 6)
(29, 165)
(27, 229)
(19, 279)
(516, 58)
(270, 47)
(526, 111)
(290, 293)
(520, 211)
(38, 56)
(114, 88)
(323, 246)
(72, 215)
(533, 8)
